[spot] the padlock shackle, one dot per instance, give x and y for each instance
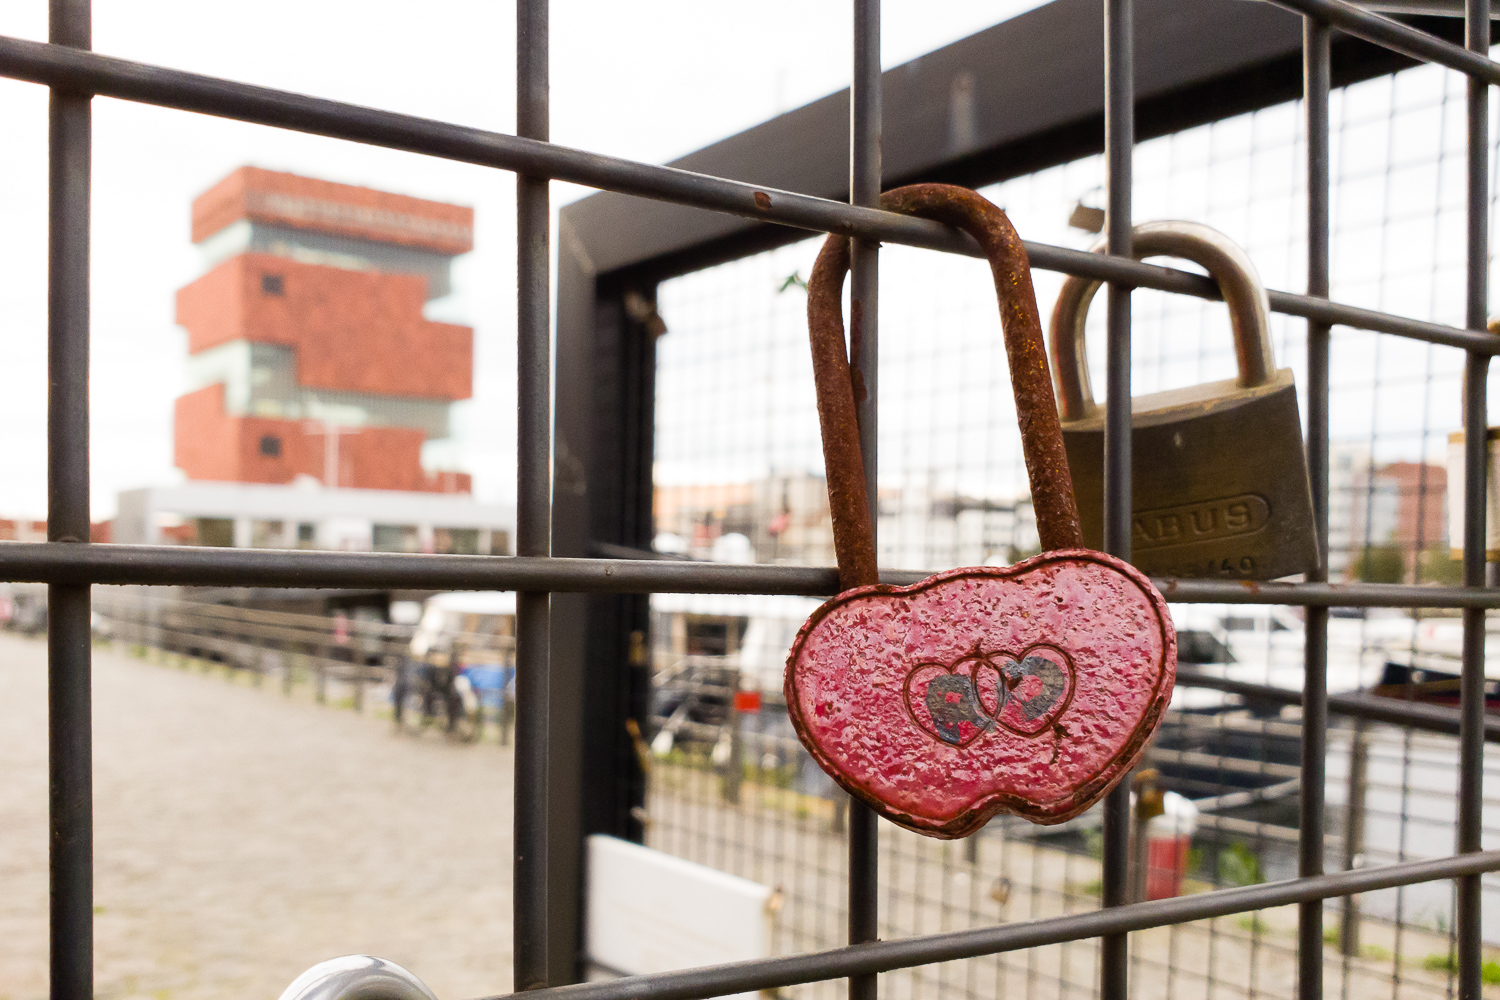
(1224, 260)
(1056, 511)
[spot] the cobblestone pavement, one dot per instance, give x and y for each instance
(241, 836)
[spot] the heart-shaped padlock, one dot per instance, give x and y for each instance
(1030, 689)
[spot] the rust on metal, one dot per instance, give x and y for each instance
(1031, 380)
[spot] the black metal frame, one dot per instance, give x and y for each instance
(1164, 65)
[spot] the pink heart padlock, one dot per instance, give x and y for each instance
(1029, 689)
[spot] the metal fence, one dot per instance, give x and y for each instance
(738, 454)
(359, 661)
(587, 499)
(737, 793)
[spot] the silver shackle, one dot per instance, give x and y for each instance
(1225, 262)
(357, 977)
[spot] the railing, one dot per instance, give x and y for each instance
(69, 563)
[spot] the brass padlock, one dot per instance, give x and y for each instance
(1220, 484)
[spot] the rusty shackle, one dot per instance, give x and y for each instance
(1041, 433)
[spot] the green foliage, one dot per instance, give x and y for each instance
(793, 280)
(1439, 566)
(1238, 865)
(1331, 935)
(773, 777)
(1251, 922)
(1447, 961)
(1380, 564)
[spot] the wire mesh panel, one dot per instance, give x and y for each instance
(739, 478)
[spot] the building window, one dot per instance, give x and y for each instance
(396, 538)
(270, 446)
(271, 284)
(267, 534)
(216, 531)
(306, 535)
(456, 541)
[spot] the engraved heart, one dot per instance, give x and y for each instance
(947, 701)
(958, 703)
(1038, 688)
(1029, 689)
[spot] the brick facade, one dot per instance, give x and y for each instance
(216, 446)
(349, 330)
(341, 209)
(357, 331)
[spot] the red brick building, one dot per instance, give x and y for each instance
(308, 349)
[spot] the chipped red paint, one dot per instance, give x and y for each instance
(858, 677)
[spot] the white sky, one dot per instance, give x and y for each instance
(649, 79)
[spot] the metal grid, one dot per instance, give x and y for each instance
(68, 563)
(737, 434)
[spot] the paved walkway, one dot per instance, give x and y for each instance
(241, 836)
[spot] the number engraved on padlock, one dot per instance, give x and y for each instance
(1206, 520)
(1230, 567)
(1022, 694)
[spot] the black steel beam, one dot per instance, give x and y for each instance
(1476, 451)
(1316, 75)
(530, 867)
(1398, 37)
(1119, 159)
(602, 496)
(1015, 98)
(865, 171)
(69, 655)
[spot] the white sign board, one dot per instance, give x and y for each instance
(652, 912)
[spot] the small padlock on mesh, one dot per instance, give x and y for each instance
(1219, 483)
(1030, 689)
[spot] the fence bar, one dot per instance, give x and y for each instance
(192, 566)
(1316, 59)
(1398, 37)
(887, 956)
(54, 65)
(1476, 466)
(533, 504)
(69, 695)
(864, 341)
(1354, 705)
(1119, 149)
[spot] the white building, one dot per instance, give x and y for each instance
(307, 515)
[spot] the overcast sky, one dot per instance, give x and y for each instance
(649, 79)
